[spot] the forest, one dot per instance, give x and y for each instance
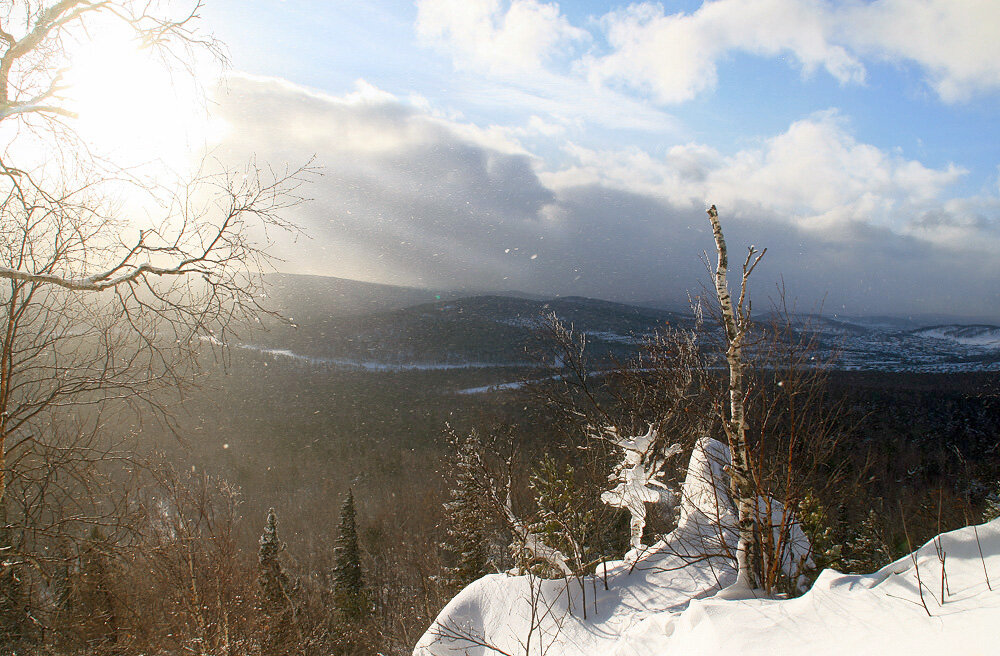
(199, 455)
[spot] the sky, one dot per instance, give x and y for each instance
(573, 148)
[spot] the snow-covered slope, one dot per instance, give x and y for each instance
(663, 602)
(500, 612)
(880, 613)
(975, 335)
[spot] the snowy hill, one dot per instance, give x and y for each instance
(975, 335)
(341, 323)
(664, 602)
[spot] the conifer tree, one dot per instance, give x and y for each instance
(468, 511)
(13, 606)
(992, 508)
(94, 596)
(564, 520)
(348, 579)
(867, 550)
(14, 612)
(276, 592)
(826, 551)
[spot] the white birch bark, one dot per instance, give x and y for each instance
(742, 489)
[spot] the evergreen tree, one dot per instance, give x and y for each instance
(95, 602)
(992, 508)
(565, 520)
(348, 579)
(14, 611)
(13, 606)
(468, 511)
(276, 593)
(867, 550)
(826, 551)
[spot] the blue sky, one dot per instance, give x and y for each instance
(860, 141)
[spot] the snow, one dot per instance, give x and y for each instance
(497, 610)
(975, 335)
(374, 366)
(667, 602)
(635, 478)
(878, 613)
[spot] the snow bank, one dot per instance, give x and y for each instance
(879, 613)
(663, 602)
(497, 612)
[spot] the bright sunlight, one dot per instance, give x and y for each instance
(135, 106)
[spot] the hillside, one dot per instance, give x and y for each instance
(975, 335)
(349, 324)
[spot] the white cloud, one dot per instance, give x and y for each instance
(409, 197)
(815, 175)
(483, 34)
(675, 56)
(954, 41)
(511, 55)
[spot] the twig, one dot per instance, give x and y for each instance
(916, 565)
(981, 558)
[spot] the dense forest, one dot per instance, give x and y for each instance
(267, 432)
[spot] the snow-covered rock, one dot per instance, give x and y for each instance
(510, 613)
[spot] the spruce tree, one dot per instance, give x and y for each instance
(348, 579)
(14, 607)
(826, 551)
(468, 511)
(276, 593)
(992, 508)
(565, 519)
(867, 550)
(94, 595)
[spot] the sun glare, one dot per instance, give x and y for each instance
(134, 108)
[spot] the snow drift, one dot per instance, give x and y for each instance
(663, 601)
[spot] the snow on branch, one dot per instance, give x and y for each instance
(534, 544)
(636, 476)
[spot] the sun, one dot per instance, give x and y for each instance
(134, 106)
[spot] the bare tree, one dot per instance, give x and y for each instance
(736, 322)
(111, 282)
(783, 431)
(158, 286)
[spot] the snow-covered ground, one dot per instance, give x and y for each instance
(376, 366)
(976, 335)
(664, 601)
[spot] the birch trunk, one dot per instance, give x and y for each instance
(741, 485)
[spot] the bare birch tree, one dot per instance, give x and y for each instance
(736, 323)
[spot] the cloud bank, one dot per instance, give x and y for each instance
(409, 197)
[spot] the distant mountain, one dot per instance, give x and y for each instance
(879, 322)
(974, 335)
(483, 329)
(373, 327)
(306, 298)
